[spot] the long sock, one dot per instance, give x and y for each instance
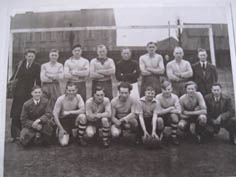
(105, 133)
(81, 130)
(174, 130)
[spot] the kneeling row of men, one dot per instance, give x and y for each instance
(147, 117)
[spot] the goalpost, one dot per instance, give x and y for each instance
(61, 29)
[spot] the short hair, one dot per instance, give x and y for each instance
(101, 46)
(98, 88)
(35, 87)
(70, 84)
(178, 47)
(125, 85)
(31, 50)
(190, 83)
(126, 49)
(151, 42)
(216, 84)
(165, 84)
(201, 50)
(54, 50)
(76, 45)
(149, 88)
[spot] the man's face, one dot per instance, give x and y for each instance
(191, 89)
(151, 48)
(36, 94)
(216, 90)
(126, 54)
(124, 93)
(71, 91)
(178, 53)
(77, 52)
(149, 95)
(30, 57)
(102, 52)
(167, 91)
(53, 56)
(202, 56)
(99, 96)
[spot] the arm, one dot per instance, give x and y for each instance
(37, 79)
(188, 73)
(160, 69)
(67, 72)
(170, 73)
(81, 106)
(160, 111)
(113, 116)
(90, 115)
(93, 72)
(109, 71)
(142, 67)
(131, 115)
(229, 112)
(177, 109)
(48, 114)
(26, 122)
(84, 72)
(107, 112)
(43, 75)
(143, 124)
(56, 113)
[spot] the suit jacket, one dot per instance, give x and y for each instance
(31, 112)
(26, 80)
(204, 81)
(225, 107)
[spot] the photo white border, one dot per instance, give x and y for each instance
(11, 7)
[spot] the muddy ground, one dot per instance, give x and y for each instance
(124, 159)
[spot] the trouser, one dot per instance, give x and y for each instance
(229, 125)
(15, 127)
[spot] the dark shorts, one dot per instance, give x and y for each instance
(68, 123)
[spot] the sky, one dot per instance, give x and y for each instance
(161, 16)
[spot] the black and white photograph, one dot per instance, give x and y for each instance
(120, 91)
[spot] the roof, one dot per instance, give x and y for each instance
(81, 18)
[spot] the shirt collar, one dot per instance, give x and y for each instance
(203, 62)
(36, 101)
(144, 100)
(103, 60)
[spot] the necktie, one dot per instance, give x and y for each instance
(28, 66)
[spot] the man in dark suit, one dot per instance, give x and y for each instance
(36, 119)
(220, 113)
(27, 75)
(204, 73)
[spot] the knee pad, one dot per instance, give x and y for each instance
(160, 123)
(202, 120)
(105, 122)
(115, 132)
(90, 131)
(182, 125)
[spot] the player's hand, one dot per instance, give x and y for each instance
(154, 135)
(123, 120)
(172, 108)
(117, 123)
(75, 73)
(66, 113)
(39, 127)
(217, 121)
(146, 134)
(35, 123)
(62, 132)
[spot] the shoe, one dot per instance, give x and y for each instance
(82, 142)
(232, 139)
(198, 139)
(174, 141)
(106, 143)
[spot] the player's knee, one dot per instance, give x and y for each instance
(202, 119)
(133, 123)
(90, 131)
(115, 132)
(160, 123)
(182, 125)
(174, 118)
(105, 122)
(82, 119)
